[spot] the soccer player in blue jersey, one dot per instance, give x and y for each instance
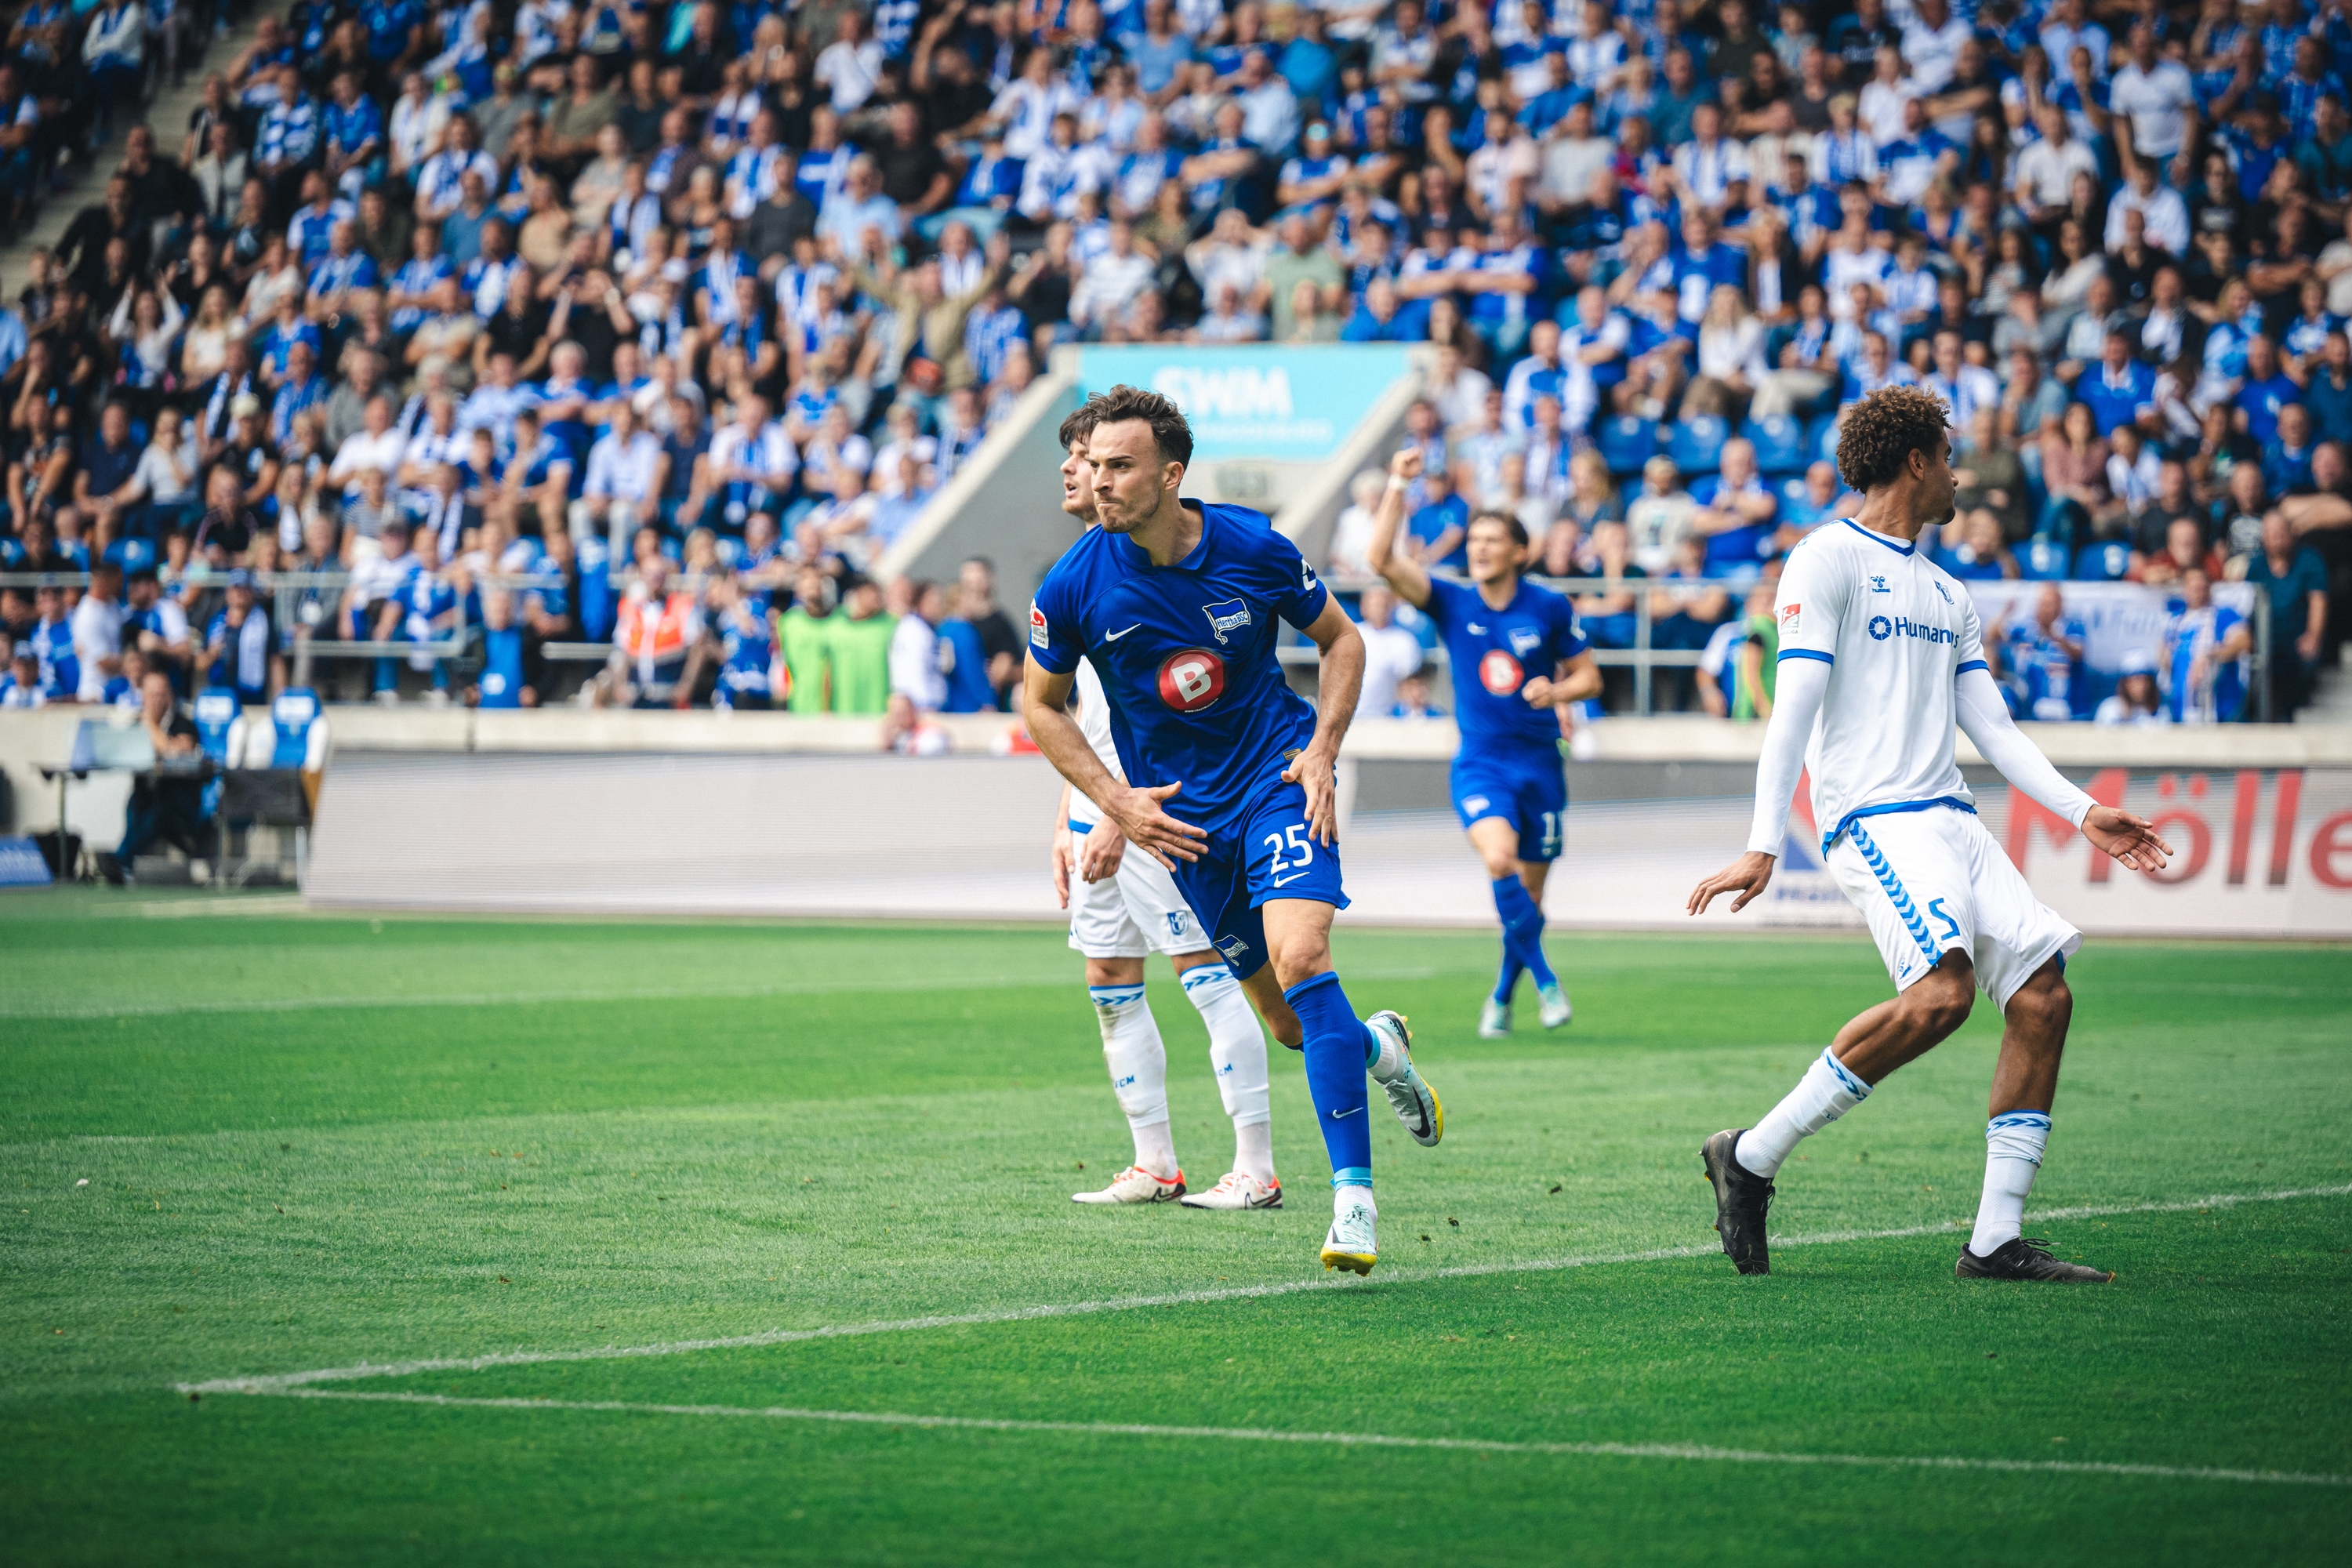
(1174, 604)
(1517, 661)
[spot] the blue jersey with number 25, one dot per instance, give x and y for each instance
(1186, 654)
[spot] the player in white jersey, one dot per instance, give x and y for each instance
(1124, 907)
(1880, 654)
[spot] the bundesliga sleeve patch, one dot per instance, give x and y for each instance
(1793, 618)
(1038, 636)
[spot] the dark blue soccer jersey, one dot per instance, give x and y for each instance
(1186, 654)
(1494, 653)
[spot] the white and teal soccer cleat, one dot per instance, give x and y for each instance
(1136, 1185)
(1350, 1243)
(1415, 1103)
(1236, 1190)
(1557, 1008)
(1493, 1020)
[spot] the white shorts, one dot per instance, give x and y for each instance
(1933, 881)
(1136, 912)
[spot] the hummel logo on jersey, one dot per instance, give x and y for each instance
(1226, 616)
(1946, 593)
(1114, 636)
(1881, 628)
(1878, 584)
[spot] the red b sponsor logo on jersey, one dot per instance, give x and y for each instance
(1499, 673)
(1191, 681)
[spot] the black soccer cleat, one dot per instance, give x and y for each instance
(2021, 1258)
(1741, 1198)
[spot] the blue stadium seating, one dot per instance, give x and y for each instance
(2041, 560)
(1780, 442)
(132, 554)
(1696, 444)
(2103, 563)
(1627, 441)
(1792, 491)
(1820, 439)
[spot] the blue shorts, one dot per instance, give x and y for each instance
(1264, 853)
(1529, 792)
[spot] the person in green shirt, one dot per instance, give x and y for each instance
(859, 641)
(1759, 657)
(805, 637)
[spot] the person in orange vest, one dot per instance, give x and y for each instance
(657, 628)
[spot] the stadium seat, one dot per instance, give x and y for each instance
(1780, 442)
(293, 717)
(2041, 560)
(1627, 441)
(1792, 491)
(132, 554)
(2105, 562)
(1820, 439)
(1697, 443)
(214, 711)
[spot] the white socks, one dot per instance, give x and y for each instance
(1137, 1060)
(2014, 1145)
(1826, 1092)
(1138, 1071)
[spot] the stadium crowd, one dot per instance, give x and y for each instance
(496, 306)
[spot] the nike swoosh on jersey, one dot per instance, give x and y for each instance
(1285, 882)
(1114, 636)
(1477, 631)
(1342, 1115)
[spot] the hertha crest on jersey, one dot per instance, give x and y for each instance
(1228, 615)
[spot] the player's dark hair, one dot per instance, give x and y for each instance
(1519, 531)
(1168, 431)
(1879, 433)
(1079, 425)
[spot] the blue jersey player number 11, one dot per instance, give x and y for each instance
(1230, 775)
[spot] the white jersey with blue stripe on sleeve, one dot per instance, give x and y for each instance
(1896, 631)
(1186, 654)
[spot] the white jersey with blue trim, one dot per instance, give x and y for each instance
(1896, 631)
(1093, 723)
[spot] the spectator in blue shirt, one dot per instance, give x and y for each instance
(1441, 525)
(2121, 389)
(2266, 389)
(2286, 457)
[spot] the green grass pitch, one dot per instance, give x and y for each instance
(315, 1141)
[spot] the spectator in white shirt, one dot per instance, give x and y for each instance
(1112, 282)
(1391, 654)
(915, 672)
(2046, 170)
(624, 476)
(98, 631)
(379, 445)
(2163, 216)
(2159, 97)
(1931, 44)
(852, 65)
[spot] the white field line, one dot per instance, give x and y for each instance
(1694, 1451)
(286, 1381)
(539, 998)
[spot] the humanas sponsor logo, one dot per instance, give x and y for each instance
(1882, 627)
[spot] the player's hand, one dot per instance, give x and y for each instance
(1136, 813)
(1747, 876)
(1061, 863)
(1407, 463)
(1538, 692)
(1101, 857)
(2128, 838)
(1311, 769)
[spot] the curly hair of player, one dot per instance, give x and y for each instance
(1878, 435)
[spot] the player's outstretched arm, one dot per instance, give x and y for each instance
(1984, 718)
(1803, 683)
(1136, 813)
(1406, 575)
(1341, 679)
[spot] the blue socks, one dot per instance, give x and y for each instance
(1523, 927)
(1338, 1048)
